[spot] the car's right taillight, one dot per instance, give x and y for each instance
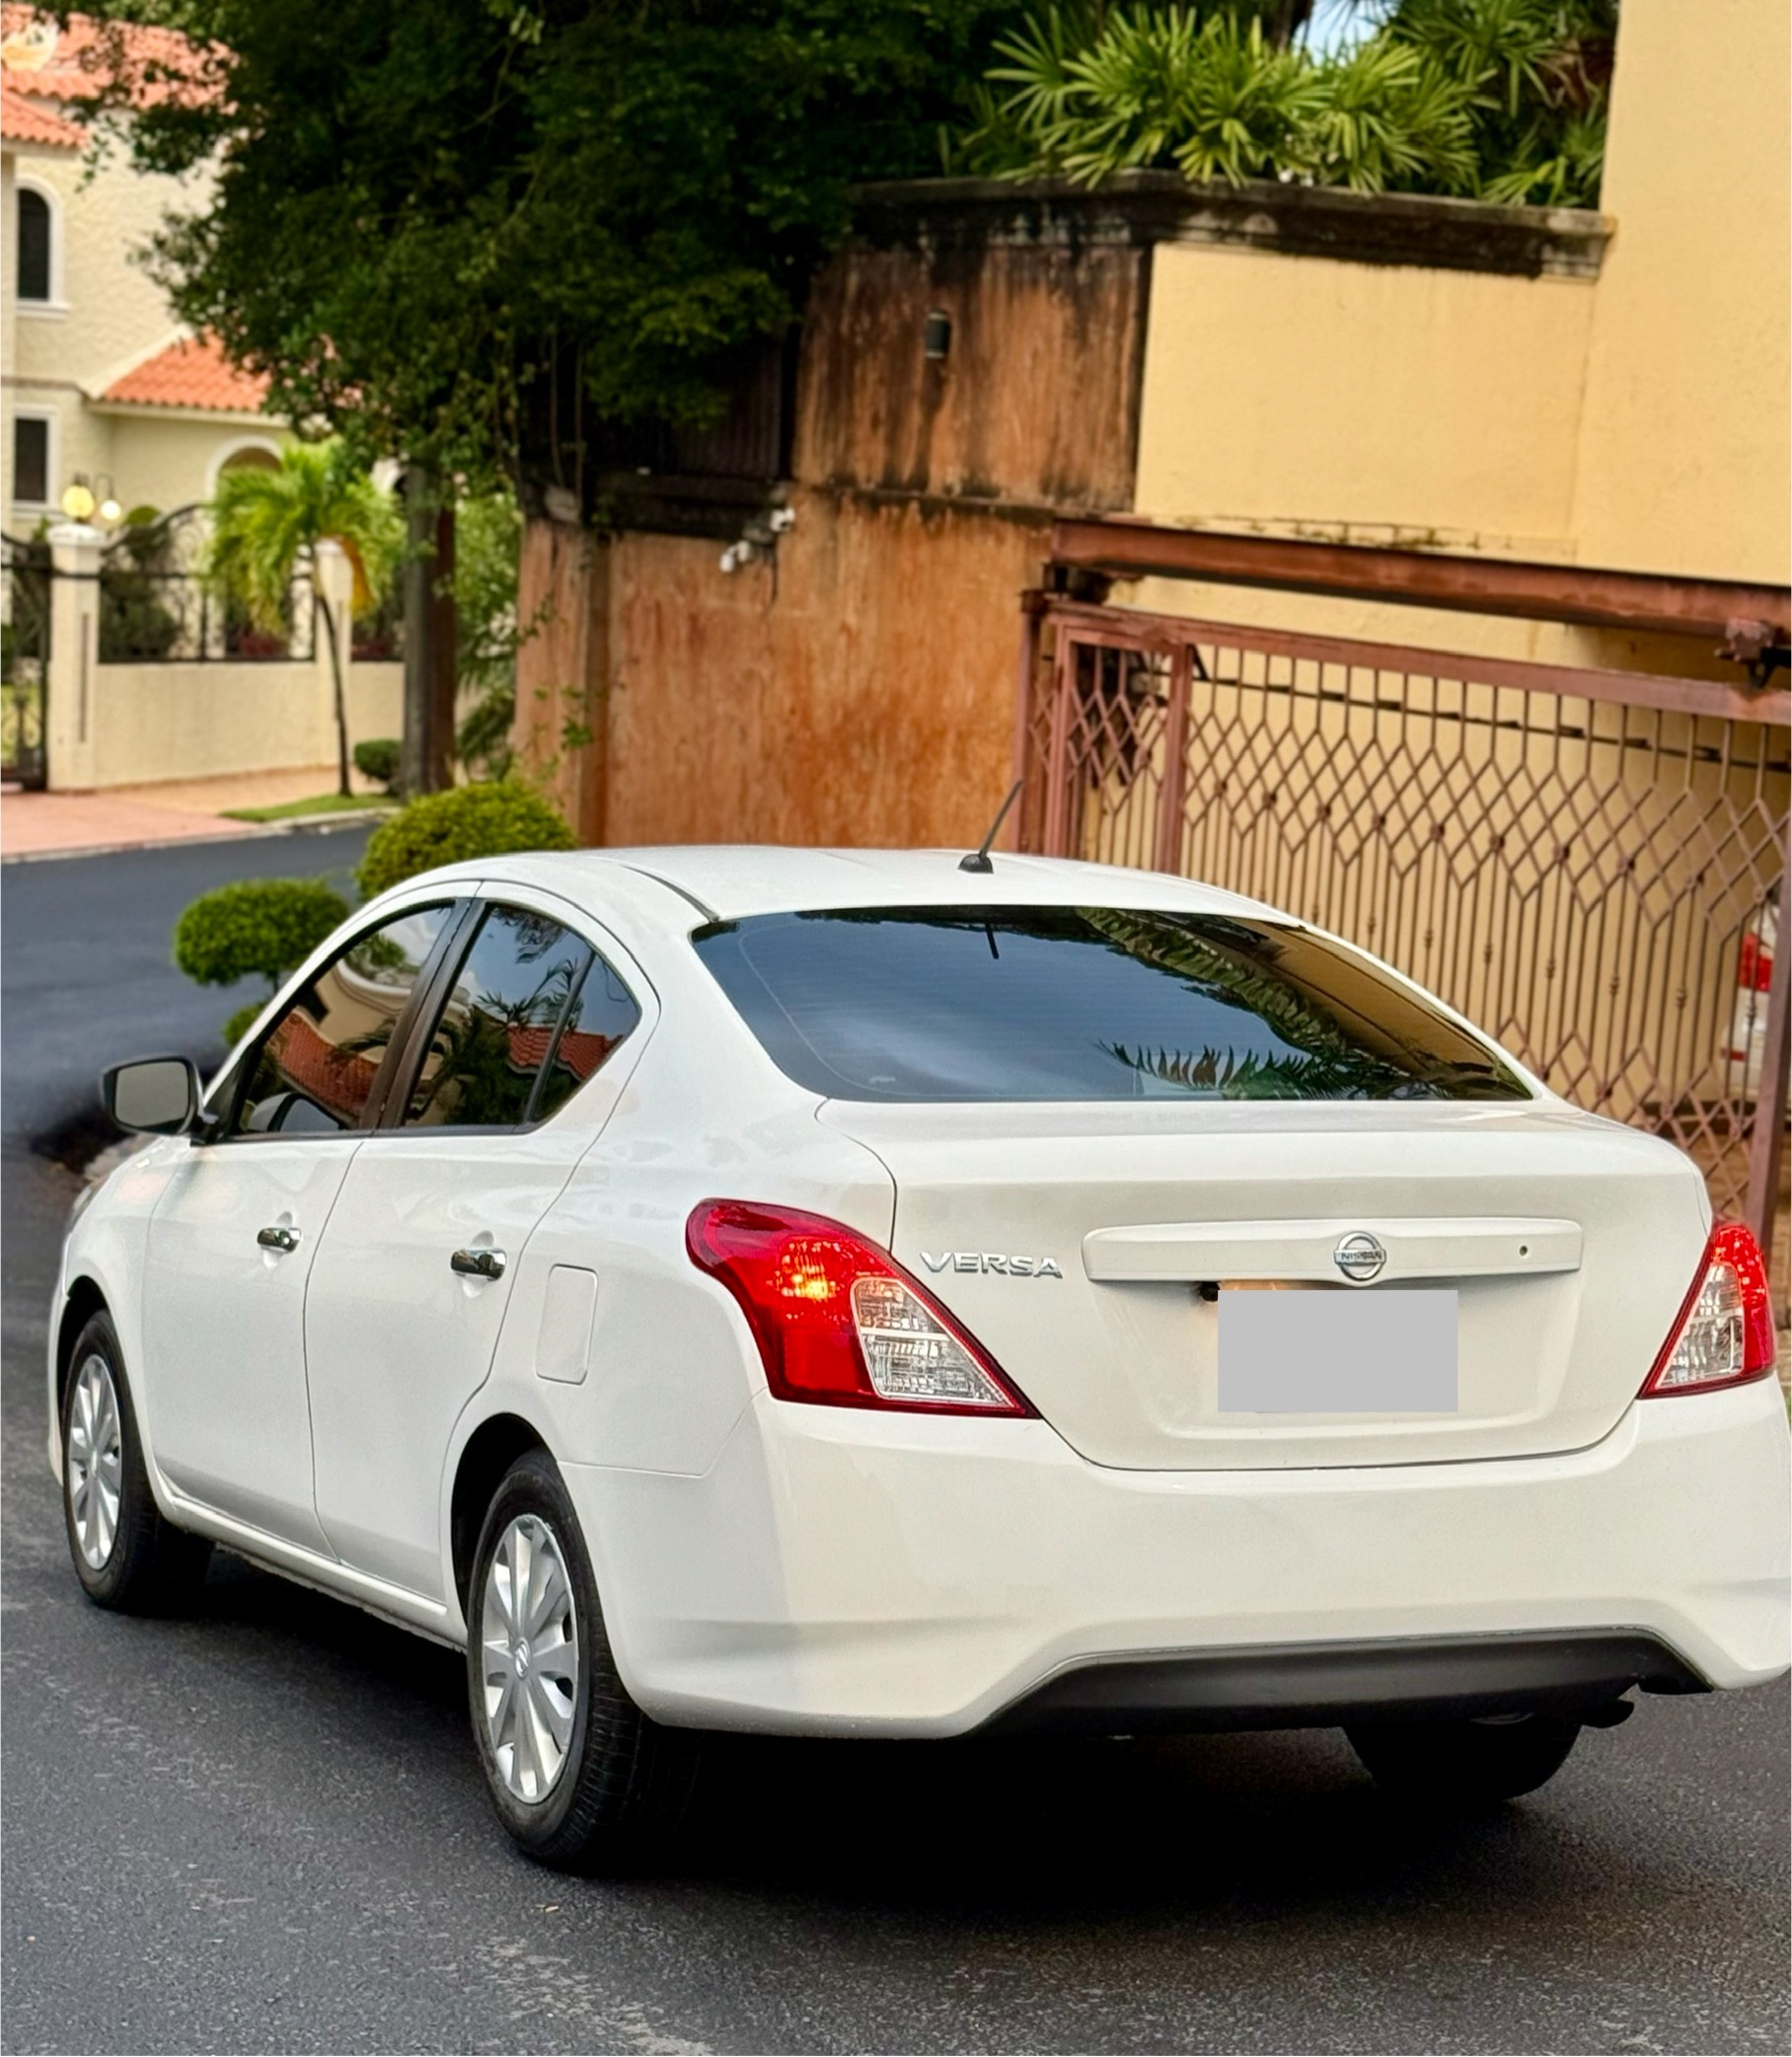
(1724, 1333)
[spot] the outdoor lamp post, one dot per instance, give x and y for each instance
(84, 495)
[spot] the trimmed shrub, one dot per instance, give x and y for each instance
(378, 760)
(258, 927)
(446, 828)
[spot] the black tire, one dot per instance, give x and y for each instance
(625, 1782)
(1466, 1764)
(149, 1566)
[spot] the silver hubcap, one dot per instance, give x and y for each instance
(529, 1657)
(95, 1460)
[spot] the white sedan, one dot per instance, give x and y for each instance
(874, 1294)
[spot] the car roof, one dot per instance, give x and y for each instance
(731, 881)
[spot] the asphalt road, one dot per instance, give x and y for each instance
(261, 1828)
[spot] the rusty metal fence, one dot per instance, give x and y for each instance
(1588, 863)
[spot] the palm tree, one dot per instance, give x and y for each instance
(267, 526)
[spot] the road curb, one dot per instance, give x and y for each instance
(239, 832)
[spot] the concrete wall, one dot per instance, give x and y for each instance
(858, 686)
(851, 704)
(153, 722)
(1566, 388)
(1036, 400)
(1364, 403)
(1687, 426)
(1640, 419)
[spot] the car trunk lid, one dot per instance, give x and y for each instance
(1091, 1247)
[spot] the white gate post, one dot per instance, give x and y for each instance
(74, 651)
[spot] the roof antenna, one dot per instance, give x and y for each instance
(979, 859)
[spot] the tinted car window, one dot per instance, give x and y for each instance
(603, 1013)
(1084, 1003)
(315, 1066)
(503, 1023)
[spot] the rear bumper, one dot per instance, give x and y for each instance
(847, 1572)
(1328, 1683)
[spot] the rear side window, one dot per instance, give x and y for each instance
(531, 1014)
(1084, 1003)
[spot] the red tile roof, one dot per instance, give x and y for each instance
(23, 121)
(193, 372)
(46, 67)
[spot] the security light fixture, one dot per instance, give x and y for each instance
(937, 337)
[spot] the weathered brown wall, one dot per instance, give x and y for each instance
(1036, 400)
(563, 579)
(860, 688)
(862, 693)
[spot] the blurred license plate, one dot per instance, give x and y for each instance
(1338, 1352)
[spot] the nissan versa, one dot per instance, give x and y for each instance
(868, 1294)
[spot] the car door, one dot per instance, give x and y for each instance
(416, 1268)
(233, 1239)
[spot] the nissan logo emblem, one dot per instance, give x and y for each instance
(1360, 1256)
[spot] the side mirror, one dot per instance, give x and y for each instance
(152, 1096)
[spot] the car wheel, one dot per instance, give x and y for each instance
(580, 1776)
(1466, 1764)
(126, 1555)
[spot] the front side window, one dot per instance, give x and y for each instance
(316, 1067)
(1086, 1002)
(34, 246)
(532, 1014)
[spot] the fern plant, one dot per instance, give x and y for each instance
(1496, 99)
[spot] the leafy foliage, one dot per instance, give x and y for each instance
(445, 828)
(268, 526)
(1496, 99)
(422, 206)
(488, 538)
(255, 928)
(378, 759)
(267, 521)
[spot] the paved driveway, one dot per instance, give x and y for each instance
(261, 1828)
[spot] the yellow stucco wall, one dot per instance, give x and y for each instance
(153, 722)
(1639, 420)
(1689, 411)
(1378, 401)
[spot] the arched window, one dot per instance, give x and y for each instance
(33, 244)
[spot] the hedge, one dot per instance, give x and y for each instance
(378, 759)
(446, 828)
(261, 927)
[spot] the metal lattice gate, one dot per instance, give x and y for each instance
(1588, 863)
(25, 617)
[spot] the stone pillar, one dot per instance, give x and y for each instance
(70, 685)
(335, 583)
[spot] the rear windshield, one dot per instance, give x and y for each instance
(1084, 1003)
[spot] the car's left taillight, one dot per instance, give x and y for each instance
(837, 1319)
(1723, 1334)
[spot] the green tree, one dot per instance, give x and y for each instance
(434, 221)
(268, 526)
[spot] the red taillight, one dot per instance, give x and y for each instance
(1723, 1334)
(837, 1320)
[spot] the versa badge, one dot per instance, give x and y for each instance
(986, 1260)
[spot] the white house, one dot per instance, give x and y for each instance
(102, 387)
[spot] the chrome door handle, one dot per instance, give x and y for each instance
(278, 1239)
(477, 1263)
